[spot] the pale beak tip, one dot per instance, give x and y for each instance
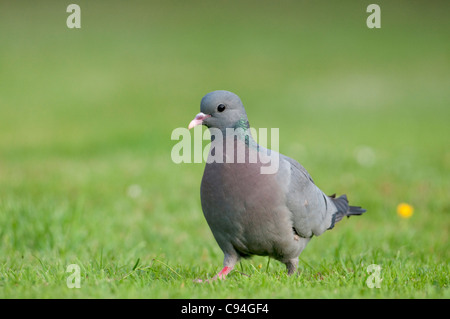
(198, 120)
(192, 124)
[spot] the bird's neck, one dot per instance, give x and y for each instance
(242, 124)
(243, 134)
(240, 132)
(233, 145)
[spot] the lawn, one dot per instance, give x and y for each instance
(86, 116)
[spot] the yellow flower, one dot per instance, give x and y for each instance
(405, 210)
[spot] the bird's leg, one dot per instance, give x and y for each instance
(222, 274)
(229, 260)
(228, 264)
(291, 266)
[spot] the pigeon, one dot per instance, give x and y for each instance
(249, 212)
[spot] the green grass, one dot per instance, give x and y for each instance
(86, 114)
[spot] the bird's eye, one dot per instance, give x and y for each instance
(221, 108)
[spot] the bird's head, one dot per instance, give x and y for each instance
(221, 110)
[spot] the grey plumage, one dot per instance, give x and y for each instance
(250, 213)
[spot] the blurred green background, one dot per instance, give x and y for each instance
(86, 117)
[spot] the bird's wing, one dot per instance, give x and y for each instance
(312, 210)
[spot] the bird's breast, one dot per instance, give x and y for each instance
(236, 189)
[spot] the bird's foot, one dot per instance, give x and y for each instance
(221, 275)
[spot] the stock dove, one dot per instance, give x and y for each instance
(250, 212)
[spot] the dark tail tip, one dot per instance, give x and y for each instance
(355, 210)
(343, 209)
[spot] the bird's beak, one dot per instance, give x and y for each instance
(198, 120)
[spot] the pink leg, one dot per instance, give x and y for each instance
(224, 272)
(221, 275)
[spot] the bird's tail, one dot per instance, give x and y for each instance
(344, 209)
